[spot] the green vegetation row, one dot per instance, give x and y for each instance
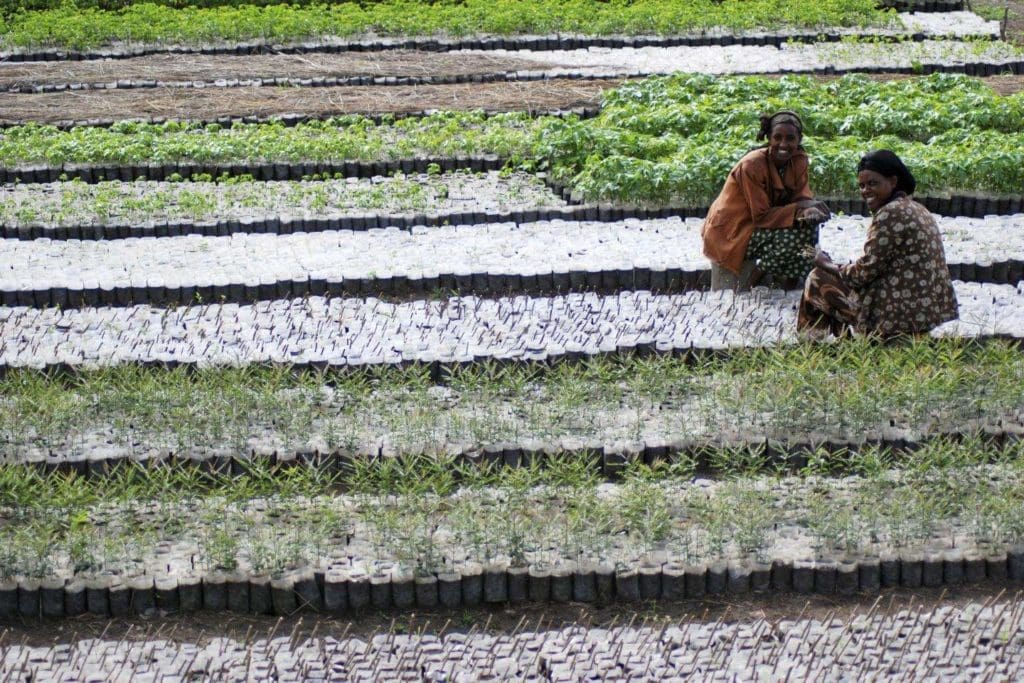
(678, 137)
(73, 26)
(660, 140)
(417, 514)
(797, 394)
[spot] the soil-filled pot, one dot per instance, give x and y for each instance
(518, 584)
(673, 581)
(650, 581)
(238, 592)
(539, 586)
(869, 579)
(911, 570)
(953, 567)
(974, 567)
(143, 595)
(380, 591)
(803, 576)
(119, 597)
(449, 589)
(996, 567)
(782, 575)
(215, 592)
(847, 578)
(403, 588)
(760, 577)
(604, 582)
(627, 585)
(260, 598)
(561, 582)
(495, 583)
(584, 587)
(28, 598)
(75, 598)
(166, 592)
(1015, 563)
(335, 591)
(96, 596)
(282, 595)
(739, 578)
(717, 577)
(190, 593)
(51, 597)
(426, 591)
(472, 584)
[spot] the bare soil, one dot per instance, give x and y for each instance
(167, 67)
(200, 627)
(208, 104)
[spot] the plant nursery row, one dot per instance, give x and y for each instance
(322, 332)
(463, 260)
(951, 516)
(72, 27)
(624, 407)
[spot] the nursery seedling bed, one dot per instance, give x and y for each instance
(499, 258)
(949, 519)
(761, 409)
(907, 26)
(111, 209)
(114, 210)
(876, 641)
(315, 331)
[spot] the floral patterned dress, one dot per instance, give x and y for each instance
(901, 284)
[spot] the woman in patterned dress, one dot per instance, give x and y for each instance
(901, 284)
(765, 217)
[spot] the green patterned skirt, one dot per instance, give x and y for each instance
(779, 251)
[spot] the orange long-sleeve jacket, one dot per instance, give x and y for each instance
(755, 196)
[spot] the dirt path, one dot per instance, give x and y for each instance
(166, 67)
(209, 104)
(201, 626)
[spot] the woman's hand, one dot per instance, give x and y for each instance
(812, 211)
(812, 215)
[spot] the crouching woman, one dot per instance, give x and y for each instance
(901, 284)
(765, 217)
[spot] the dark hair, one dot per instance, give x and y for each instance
(885, 162)
(784, 116)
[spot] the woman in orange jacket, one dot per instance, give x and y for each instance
(765, 217)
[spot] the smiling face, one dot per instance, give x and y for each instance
(783, 142)
(875, 188)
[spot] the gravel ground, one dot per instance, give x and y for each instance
(424, 254)
(370, 331)
(974, 642)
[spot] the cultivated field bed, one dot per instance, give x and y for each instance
(422, 261)
(293, 105)
(317, 331)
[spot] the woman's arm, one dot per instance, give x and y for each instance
(878, 251)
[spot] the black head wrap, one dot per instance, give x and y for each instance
(784, 116)
(885, 162)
